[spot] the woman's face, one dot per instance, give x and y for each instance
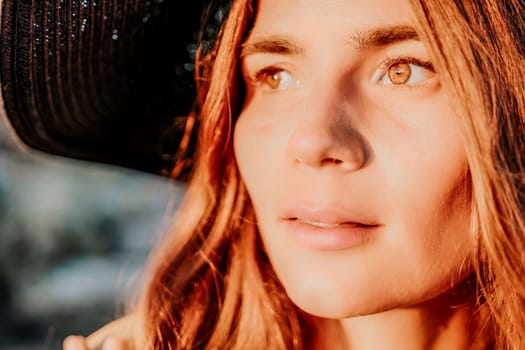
(352, 157)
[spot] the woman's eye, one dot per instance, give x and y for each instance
(275, 79)
(399, 72)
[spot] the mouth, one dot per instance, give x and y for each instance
(329, 225)
(329, 216)
(319, 235)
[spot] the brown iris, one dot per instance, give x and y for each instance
(399, 73)
(273, 80)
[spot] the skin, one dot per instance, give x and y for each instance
(80, 343)
(324, 129)
(117, 335)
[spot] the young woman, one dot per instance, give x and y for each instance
(358, 184)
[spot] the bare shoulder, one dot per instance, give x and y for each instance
(127, 328)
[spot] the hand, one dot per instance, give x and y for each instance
(76, 342)
(120, 334)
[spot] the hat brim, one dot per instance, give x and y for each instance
(100, 80)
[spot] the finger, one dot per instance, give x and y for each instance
(122, 329)
(114, 343)
(75, 342)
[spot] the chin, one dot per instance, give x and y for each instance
(337, 309)
(336, 302)
(331, 301)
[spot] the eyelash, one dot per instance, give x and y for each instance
(389, 62)
(262, 74)
(266, 72)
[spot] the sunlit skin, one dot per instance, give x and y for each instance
(115, 336)
(80, 343)
(346, 130)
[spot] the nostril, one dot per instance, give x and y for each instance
(335, 161)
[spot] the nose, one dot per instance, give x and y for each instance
(326, 139)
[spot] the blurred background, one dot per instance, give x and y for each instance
(74, 237)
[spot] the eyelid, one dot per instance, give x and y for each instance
(390, 61)
(257, 78)
(382, 69)
(267, 71)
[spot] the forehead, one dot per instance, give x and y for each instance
(330, 17)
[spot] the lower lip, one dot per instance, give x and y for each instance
(332, 238)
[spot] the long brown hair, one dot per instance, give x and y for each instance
(479, 49)
(212, 285)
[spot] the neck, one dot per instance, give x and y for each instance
(436, 325)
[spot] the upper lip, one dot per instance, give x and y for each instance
(328, 216)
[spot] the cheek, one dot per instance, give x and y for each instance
(247, 149)
(427, 187)
(434, 229)
(258, 148)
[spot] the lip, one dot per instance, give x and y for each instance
(329, 228)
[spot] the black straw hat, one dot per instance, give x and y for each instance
(103, 80)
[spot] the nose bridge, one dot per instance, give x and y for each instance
(326, 133)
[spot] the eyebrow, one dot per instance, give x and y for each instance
(375, 38)
(384, 36)
(274, 44)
